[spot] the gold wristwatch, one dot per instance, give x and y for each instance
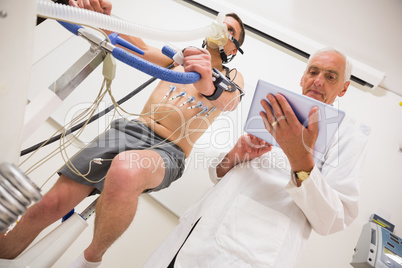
(302, 175)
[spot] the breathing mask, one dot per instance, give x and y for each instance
(220, 39)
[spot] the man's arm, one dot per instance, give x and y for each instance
(329, 196)
(199, 60)
(101, 6)
(151, 54)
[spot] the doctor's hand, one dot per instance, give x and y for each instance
(296, 141)
(247, 148)
(101, 6)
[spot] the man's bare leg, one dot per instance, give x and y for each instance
(56, 203)
(117, 204)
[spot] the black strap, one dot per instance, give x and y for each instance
(171, 264)
(227, 71)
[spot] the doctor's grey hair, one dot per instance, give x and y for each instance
(348, 64)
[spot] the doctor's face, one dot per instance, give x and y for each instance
(323, 79)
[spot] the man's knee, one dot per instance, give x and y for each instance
(127, 172)
(50, 207)
(61, 198)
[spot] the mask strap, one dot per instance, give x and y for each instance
(224, 57)
(231, 38)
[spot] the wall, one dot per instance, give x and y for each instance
(377, 108)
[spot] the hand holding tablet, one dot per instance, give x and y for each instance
(329, 117)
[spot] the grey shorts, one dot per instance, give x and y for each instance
(124, 136)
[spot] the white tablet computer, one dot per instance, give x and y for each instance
(329, 117)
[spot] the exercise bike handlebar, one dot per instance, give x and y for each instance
(139, 63)
(153, 69)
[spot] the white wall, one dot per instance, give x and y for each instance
(381, 181)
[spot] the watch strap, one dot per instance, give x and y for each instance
(222, 83)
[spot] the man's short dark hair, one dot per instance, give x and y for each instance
(242, 32)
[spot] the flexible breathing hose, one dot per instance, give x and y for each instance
(142, 64)
(99, 20)
(153, 69)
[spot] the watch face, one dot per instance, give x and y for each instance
(302, 175)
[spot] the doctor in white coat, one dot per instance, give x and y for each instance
(267, 200)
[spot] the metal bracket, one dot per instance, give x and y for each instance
(80, 70)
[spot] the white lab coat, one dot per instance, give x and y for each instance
(256, 216)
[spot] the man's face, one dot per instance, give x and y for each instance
(323, 79)
(234, 30)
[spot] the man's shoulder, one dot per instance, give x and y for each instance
(236, 76)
